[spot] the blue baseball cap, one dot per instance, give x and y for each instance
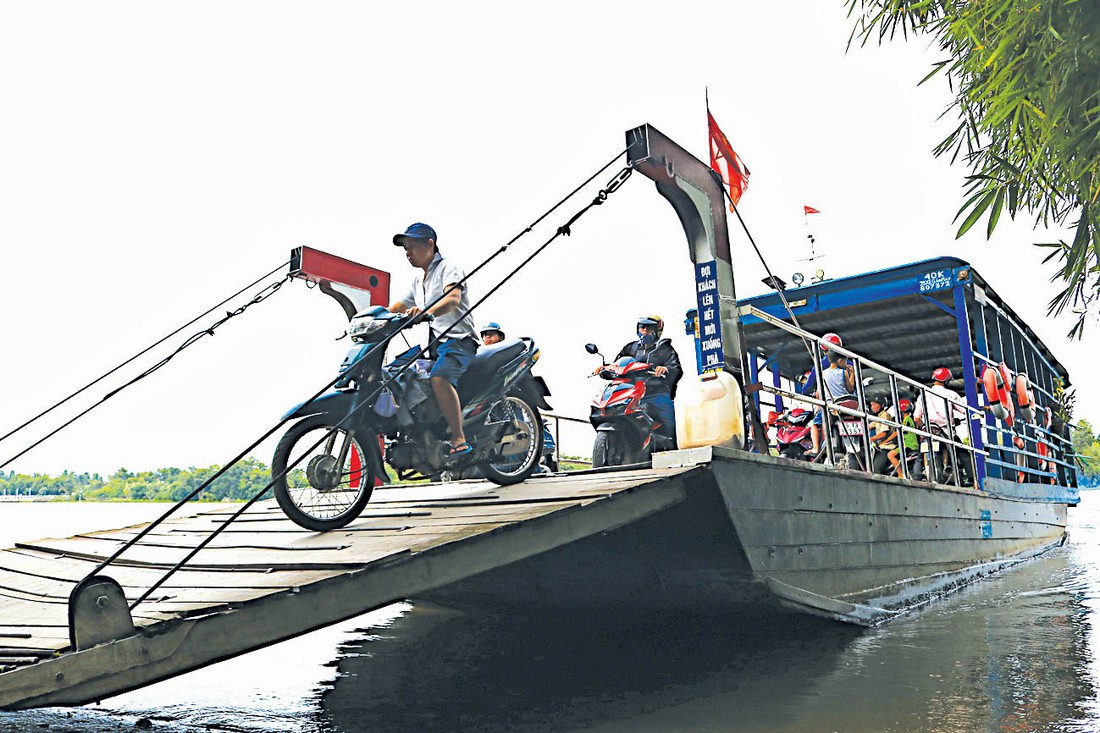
(418, 230)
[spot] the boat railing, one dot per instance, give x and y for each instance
(931, 443)
(556, 432)
(1034, 451)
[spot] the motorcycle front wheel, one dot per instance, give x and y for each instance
(317, 493)
(519, 448)
(608, 450)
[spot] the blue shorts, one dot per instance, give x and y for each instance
(453, 358)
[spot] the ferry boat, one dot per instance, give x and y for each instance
(831, 540)
(721, 526)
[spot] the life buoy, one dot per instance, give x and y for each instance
(996, 393)
(1025, 400)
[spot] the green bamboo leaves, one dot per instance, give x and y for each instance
(1027, 84)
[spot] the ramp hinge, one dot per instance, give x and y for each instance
(98, 613)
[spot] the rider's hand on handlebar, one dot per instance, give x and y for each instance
(417, 314)
(660, 371)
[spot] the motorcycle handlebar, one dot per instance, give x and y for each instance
(421, 317)
(607, 373)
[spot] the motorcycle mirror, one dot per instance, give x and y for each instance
(591, 348)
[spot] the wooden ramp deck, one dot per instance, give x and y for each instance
(264, 579)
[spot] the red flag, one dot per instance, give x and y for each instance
(810, 210)
(726, 163)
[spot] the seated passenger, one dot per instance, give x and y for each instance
(809, 386)
(837, 382)
(883, 436)
(912, 443)
(491, 334)
(945, 407)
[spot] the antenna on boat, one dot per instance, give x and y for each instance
(807, 211)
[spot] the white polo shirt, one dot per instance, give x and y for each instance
(427, 289)
(937, 407)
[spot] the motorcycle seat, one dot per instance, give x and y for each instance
(490, 358)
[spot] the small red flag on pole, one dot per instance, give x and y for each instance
(810, 210)
(726, 163)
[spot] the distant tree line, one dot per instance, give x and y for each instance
(240, 482)
(1087, 444)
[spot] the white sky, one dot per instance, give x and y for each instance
(155, 157)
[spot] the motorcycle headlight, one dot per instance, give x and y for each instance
(361, 327)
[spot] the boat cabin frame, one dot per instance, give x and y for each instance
(902, 323)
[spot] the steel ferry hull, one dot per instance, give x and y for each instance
(758, 530)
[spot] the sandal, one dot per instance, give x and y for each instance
(462, 449)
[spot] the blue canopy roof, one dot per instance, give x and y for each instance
(900, 317)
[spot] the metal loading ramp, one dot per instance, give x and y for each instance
(264, 579)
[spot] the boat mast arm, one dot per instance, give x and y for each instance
(697, 198)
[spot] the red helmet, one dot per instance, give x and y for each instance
(905, 405)
(831, 338)
(943, 374)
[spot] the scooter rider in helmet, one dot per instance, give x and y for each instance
(660, 389)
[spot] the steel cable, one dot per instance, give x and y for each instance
(144, 351)
(259, 297)
(564, 230)
(601, 197)
(240, 456)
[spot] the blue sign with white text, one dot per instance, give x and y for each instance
(710, 323)
(936, 280)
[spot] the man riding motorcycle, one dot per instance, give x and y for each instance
(650, 348)
(452, 356)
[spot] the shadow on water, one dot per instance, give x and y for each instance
(438, 669)
(1010, 654)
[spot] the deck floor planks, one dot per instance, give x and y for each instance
(303, 549)
(263, 553)
(70, 570)
(58, 591)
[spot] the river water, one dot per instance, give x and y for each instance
(1016, 652)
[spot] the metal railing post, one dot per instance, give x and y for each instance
(862, 401)
(949, 427)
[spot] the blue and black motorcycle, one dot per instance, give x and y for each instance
(344, 438)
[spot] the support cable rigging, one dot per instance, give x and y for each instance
(261, 296)
(141, 353)
(503, 248)
(240, 456)
(563, 230)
